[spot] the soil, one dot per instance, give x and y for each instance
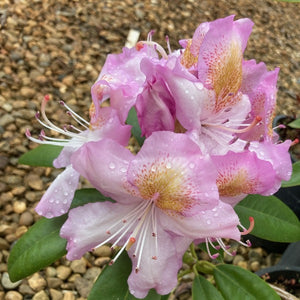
(57, 47)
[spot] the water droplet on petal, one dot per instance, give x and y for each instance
(203, 212)
(62, 211)
(66, 194)
(123, 170)
(208, 222)
(51, 200)
(199, 85)
(65, 201)
(55, 191)
(214, 209)
(153, 169)
(112, 165)
(216, 214)
(57, 201)
(168, 165)
(192, 165)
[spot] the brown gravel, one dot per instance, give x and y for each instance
(57, 47)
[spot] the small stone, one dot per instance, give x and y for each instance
(243, 264)
(41, 295)
(25, 289)
(27, 92)
(19, 207)
(68, 295)
(83, 286)
(4, 245)
(20, 231)
(92, 273)
(13, 295)
(35, 182)
(78, 266)
(238, 258)
(63, 272)
(18, 190)
(56, 295)
(51, 272)
(6, 119)
(30, 196)
(54, 282)
(37, 282)
(7, 283)
(101, 261)
(102, 251)
(26, 218)
(254, 266)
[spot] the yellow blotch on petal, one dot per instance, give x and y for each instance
(166, 185)
(225, 74)
(233, 183)
(187, 58)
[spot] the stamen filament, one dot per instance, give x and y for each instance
(157, 47)
(247, 231)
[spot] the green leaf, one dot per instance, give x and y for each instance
(295, 123)
(204, 290)
(295, 178)
(84, 196)
(42, 155)
(274, 220)
(237, 283)
(136, 129)
(40, 246)
(112, 283)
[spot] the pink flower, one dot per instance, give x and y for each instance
(166, 197)
(104, 123)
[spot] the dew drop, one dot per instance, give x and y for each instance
(123, 170)
(208, 222)
(65, 201)
(168, 165)
(199, 85)
(51, 200)
(203, 212)
(153, 169)
(62, 211)
(214, 209)
(216, 214)
(206, 194)
(112, 165)
(66, 194)
(57, 201)
(55, 191)
(186, 91)
(192, 165)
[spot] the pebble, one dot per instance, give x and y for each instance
(41, 295)
(37, 282)
(54, 282)
(102, 251)
(63, 272)
(78, 266)
(68, 295)
(101, 261)
(26, 218)
(83, 286)
(13, 295)
(7, 283)
(4, 245)
(255, 266)
(34, 181)
(19, 207)
(56, 295)
(6, 119)
(238, 258)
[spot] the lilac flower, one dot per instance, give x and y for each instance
(166, 197)
(104, 123)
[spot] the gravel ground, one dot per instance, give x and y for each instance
(58, 48)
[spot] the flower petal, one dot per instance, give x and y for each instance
(87, 226)
(104, 164)
(240, 174)
(159, 266)
(58, 197)
(171, 168)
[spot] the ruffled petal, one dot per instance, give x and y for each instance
(104, 164)
(89, 225)
(159, 266)
(171, 168)
(58, 197)
(240, 174)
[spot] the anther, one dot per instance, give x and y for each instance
(27, 133)
(131, 241)
(139, 46)
(247, 231)
(46, 97)
(154, 257)
(294, 142)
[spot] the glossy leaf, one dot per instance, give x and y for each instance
(136, 129)
(295, 123)
(42, 155)
(295, 178)
(237, 283)
(84, 196)
(204, 290)
(274, 220)
(112, 283)
(40, 246)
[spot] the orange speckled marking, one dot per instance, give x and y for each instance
(233, 182)
(225, 73)
(187, 58)
(168, 186)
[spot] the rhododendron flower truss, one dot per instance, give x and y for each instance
(104, 122)
(166, 197)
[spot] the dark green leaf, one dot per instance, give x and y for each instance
(40, 246)
(42, 155)
(237, 283)
(295, 178)
(274, 220)
(296, 123)
(84, 196)
(204, 290)
(112, 283)
(136, 129)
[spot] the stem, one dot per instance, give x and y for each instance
(193, 251)
(205, 267)
(183, 272)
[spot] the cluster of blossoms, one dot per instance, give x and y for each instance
(206, 115)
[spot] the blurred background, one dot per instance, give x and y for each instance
(57, 47)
